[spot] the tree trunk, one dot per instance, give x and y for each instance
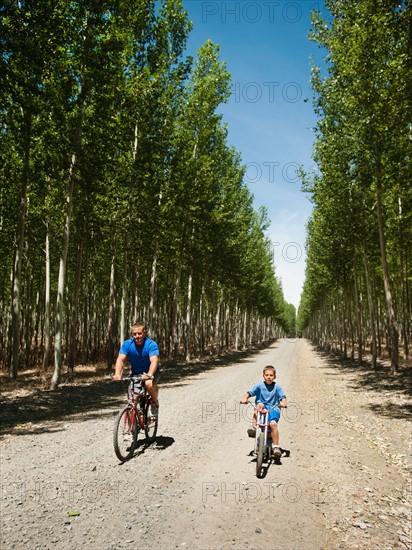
(174, 336)
(46, 355)
(18, 259)
(393, 328)
(71, 359)
(63, 258)
(189, 315)
(358, 315)
(110, 324)
(371, 305)
(124, 293)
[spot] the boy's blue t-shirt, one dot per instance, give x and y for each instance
(268, 395)
(139, 356)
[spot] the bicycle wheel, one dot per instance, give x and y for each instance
(150, 424)
(260, 453)
(125, 434)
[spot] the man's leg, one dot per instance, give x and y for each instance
(152, 389)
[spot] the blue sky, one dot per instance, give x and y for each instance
(267, 51)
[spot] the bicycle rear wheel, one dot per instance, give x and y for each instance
(125, 433)
(260, 453)
(150, 424)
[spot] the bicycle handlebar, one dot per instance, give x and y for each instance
(271, 409)
(135, 377)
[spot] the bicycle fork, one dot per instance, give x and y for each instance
(261, 428)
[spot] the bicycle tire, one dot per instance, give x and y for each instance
(260, 453)
(150, 424)
(125, 425)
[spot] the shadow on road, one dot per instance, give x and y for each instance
(396, 389)
(40, 411)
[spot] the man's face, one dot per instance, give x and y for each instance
(138, 335)
(269, 376)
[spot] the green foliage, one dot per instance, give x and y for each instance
(155, 178)
(363, 150)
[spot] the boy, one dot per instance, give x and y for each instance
(267, 394)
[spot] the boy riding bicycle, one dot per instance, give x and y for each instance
(267, 394)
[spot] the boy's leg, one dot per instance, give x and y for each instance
(275, 434)
(252, 431)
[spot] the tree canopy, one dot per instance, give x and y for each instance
(121, 197)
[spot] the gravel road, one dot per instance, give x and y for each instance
(346, 483)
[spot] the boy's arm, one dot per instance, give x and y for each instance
(283, 404)
(245, 398)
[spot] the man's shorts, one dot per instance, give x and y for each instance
(156, 376)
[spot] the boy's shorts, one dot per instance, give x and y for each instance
(274, 415)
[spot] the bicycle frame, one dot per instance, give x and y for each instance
(262, 426)
(133, 419)
(136, 399)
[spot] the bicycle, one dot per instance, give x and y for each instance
(263, 442)
(133, 419)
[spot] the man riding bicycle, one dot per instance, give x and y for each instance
(143, 355)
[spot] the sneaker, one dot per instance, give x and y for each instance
(127, 437)
(154, 411)
(252, 432)
(276, 450)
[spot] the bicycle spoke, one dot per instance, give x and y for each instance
(125, 434)
(150, 424)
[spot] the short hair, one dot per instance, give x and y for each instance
(138, 324)
(269, 367)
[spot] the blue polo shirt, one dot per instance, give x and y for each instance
(139, 356)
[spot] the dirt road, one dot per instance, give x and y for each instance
(345, 485)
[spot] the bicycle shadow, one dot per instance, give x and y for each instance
(277, 461)
(160, 443)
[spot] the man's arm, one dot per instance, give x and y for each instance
(118, 368)
(154, 363)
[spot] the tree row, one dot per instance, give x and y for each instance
(357, 294)
(121, 197)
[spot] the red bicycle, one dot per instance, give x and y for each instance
(134, 419)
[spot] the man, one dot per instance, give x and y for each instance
(143, 356)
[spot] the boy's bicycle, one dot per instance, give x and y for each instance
(133, 419)
(263, 440)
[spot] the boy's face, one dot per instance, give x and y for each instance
(269, 376)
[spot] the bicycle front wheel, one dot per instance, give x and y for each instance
(125, 433)
(260, 453)
(150, 424)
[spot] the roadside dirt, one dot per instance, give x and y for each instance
(346, 483)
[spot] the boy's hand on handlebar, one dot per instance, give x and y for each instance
(116, 377)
